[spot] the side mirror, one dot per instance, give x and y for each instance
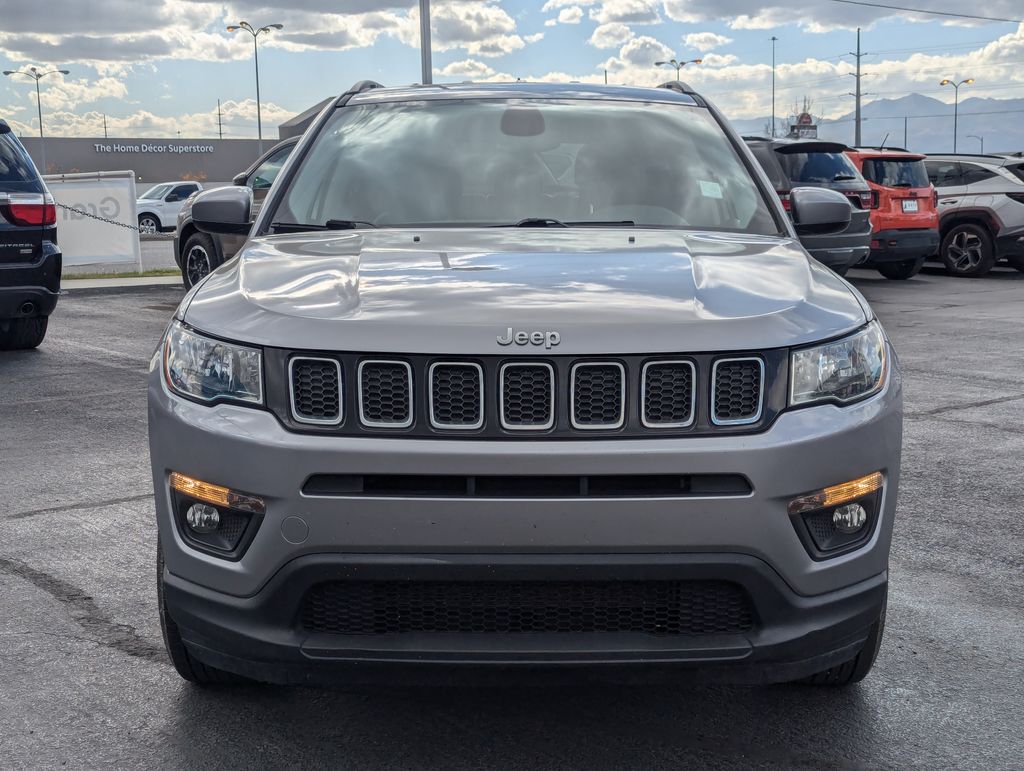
(226, 210)
(819, 210)
(240, 179)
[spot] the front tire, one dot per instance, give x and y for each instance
(148, 224)
(23, 334)
(901, 271)
(183, 662)
(967, 250)
(857, 668)
(198, 259)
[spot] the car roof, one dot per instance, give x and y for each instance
(991, 160)
(813, 145)
(886, 152)
(520, 90)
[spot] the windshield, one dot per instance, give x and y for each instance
(480, 162)
(818, 167)
(157, 191)
(910, 173)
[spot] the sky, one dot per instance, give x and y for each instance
(157, 68)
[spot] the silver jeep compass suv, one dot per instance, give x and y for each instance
(523, 376)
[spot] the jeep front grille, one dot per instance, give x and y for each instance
(527, 396)
(497, 397)
(315, 390)
(652, 607)
(738, 391)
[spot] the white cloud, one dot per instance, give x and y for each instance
(611, 35)
(626, 11)
(552, 5)
(705, 41)
(571, 15)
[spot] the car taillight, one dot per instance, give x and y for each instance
(935, 198)
(784, 197)
(27, 210)
(876, 200)
(866, 199)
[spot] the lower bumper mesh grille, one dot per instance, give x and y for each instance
(514, 607)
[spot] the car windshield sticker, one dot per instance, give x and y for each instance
(710, 189)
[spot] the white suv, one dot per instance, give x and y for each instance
(158, 207)
(981, 211)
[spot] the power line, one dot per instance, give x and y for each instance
(930, 13)
(937, 115)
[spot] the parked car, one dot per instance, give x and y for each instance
(795, 163)
(158, 207)
(523, 375)
(904, 219)
(981, 211)
(198, 253)
(30, 260)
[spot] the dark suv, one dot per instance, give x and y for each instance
(30, 260)
(793, 163)
(197, 253)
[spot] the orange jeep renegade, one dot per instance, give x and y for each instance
(904, 215)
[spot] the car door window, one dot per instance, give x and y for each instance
(267, 171)
(180, 193)
(974, 173)
(944, 173)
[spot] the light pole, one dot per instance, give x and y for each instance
(678, 65)
(956, 101)
(425, 65)
(36, 75)
(980, 139)
(774, 40)
(256, 32)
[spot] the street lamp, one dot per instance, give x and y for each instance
(256, 32)
(774, 41)
(36, 75)
(678, 65)
(956, 101)
(980, 139)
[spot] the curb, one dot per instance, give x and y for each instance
(115, 284)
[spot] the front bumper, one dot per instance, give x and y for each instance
(258, 636)
(243, 615)
(900, 245)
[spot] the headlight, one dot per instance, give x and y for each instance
(211, 370)
(841, 371)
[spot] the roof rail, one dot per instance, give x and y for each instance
(364, 85)
(678, 85)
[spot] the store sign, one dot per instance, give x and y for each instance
(144, 147)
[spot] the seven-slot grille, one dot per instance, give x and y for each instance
(492, 396)
(315, 390)
(738, 387)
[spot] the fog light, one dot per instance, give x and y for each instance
(849, 518)
(202, 518)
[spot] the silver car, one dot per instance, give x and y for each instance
(981, 211)
(523, 376)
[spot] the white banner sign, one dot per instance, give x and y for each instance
(89, 208)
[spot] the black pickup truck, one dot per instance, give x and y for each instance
(30, 260)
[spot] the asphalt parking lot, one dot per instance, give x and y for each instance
(84, 681)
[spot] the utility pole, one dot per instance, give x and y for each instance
(428, 70)
(220, 126)
(774, 39)
(856, 130)
(104, 125)
(606, 77)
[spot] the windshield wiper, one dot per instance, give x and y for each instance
(299, 227)
(551, 222)
(843, 177)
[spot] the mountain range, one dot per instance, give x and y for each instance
(928, 124)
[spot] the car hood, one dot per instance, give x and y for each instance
(457, 291)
